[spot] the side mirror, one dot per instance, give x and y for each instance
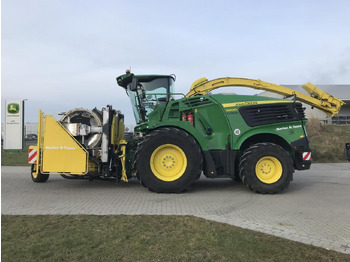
(134, 84)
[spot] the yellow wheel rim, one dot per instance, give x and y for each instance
(168, 162)
(268, 169)
(34, 175)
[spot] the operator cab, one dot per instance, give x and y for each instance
(147, 92)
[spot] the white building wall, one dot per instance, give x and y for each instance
(30, 128)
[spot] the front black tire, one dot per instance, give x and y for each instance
(168, 160)
(39, 178)
(266, 168)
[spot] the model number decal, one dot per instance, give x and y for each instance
(287, 127)
(251, 103)
(59, 148)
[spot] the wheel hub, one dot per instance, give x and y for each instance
(266, 168)
(169, 161)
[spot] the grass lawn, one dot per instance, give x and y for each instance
(14, 158)
(145, 238)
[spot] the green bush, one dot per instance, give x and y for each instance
(327, 141)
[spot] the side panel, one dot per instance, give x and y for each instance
(289, 132)
(210, 125)
(61, 153)
(248, 118)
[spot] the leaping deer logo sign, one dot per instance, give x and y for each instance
(13, 108)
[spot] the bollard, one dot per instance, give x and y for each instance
(347, 149)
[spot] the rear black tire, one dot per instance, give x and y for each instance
(168, 160)
(39, 178)
(266, 168)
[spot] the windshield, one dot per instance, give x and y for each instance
(150, 93)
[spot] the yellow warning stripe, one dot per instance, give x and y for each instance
(252, 103)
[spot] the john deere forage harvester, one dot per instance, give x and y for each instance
(255, 139)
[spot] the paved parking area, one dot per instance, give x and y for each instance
(315, 209)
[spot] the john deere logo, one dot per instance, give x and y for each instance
(13, 108)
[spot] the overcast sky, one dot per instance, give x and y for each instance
(62, 54)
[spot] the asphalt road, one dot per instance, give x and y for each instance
(315, 209)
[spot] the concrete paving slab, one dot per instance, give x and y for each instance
(315, 209)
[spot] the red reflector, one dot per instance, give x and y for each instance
(32, 157)
(306, 156)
